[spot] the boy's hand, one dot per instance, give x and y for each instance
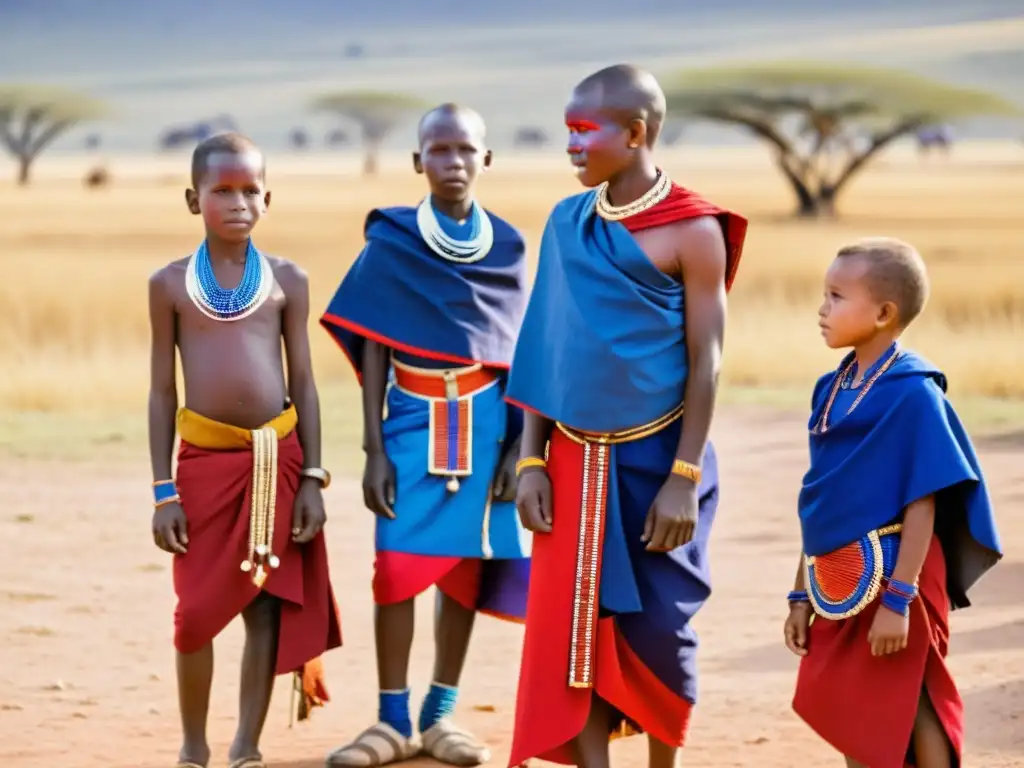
(672, 518)
(170, 528)
(505, 481)
(795, 628)
(308, 517)
(533, 499)
(379, 484)
(888, 633)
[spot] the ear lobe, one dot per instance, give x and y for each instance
(637, 133)
(417, 162)
(192, 201)
(887, 315)
(487, 159)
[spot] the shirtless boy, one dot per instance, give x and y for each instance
(244, 513)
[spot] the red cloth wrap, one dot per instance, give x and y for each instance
(550, 714)
(215, 487)
(864, 706)
(683, 204)
(401, 576)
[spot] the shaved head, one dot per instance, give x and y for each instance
(628, 92)
(447, 114)
(220, 144)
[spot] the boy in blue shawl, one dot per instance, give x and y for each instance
(896, 525)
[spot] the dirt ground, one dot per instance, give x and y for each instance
(86, 666)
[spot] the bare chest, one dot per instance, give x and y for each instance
(660, 244)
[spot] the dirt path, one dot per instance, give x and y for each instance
(86, 666)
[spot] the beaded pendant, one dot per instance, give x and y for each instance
(447, 247)
(223, 304)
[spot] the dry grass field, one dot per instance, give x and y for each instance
(86, 669)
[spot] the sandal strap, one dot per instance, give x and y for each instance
(379, 745)
(444, 738)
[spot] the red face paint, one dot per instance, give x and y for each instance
(582, 125)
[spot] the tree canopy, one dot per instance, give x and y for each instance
(824, 121)
(377, 113)
(31, 117)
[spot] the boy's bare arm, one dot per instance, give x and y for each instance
(375, 378)
(163, 388)
(301, 384)
(703, 260)
(918, 527)
(535, 436)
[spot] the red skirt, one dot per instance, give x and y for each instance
(214, 486)
(865, 706)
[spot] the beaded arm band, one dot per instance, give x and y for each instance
(898, 596)
(530, 461)
(798, 596)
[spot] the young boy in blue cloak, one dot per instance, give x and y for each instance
(428, 315)
(897, 526)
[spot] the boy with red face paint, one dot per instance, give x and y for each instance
(244, 513)
(618, 484)
(428, 316)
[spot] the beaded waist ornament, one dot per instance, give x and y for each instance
(843, 583)
(449, 393)
(260, 559)
(222, 304)
(593, 505)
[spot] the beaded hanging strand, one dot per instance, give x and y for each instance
(653, 196)
(446, 246)
(226, 305)
(822, 426)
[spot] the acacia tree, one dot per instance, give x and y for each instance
(376, 113)
(31, 117)
(824, 122)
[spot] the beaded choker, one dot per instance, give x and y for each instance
(653, 196)
(223, 304)
(446, 246)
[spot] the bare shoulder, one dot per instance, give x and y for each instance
(165, 281)
(700, 235)
(290, 276)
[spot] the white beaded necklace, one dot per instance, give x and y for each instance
(447, 247)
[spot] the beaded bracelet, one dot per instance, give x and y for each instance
(530, 461)
(798, 596)
(902, 588)
(163, 491)
(896, 602)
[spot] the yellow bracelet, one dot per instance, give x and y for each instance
(686, 469)
(529, 461)
(169, 500)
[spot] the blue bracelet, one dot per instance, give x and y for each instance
(902, 588)
(798, 596)
(896, 602)
(163, 491)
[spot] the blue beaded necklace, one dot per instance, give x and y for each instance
(228, 304)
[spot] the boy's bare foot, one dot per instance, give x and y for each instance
(193, 756)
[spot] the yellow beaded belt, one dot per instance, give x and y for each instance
(624, 436)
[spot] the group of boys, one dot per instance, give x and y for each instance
(527, 453)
